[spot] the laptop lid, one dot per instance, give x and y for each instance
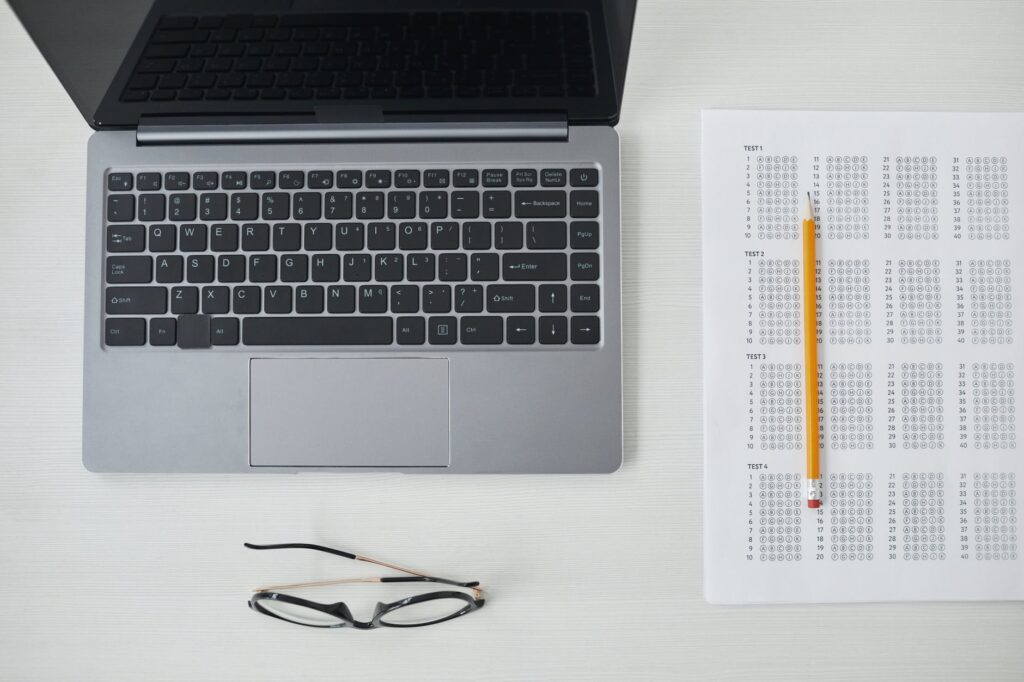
(128, 61)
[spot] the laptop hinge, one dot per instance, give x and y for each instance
(407, 131)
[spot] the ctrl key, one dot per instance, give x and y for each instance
(125, 331)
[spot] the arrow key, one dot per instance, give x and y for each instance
(553, 330)
(553, 298)
(520, 330)
(586, 330)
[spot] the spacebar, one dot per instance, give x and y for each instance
(316, 331)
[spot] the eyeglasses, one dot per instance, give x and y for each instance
(411, 612)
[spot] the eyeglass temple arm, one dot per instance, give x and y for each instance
(357, 557)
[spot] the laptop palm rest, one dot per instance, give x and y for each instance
(348, 412)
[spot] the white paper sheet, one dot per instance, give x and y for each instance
(920, 219)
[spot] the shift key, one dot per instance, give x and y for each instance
(534, 267)
(136, 300)
(540, 204)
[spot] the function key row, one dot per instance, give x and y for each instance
(351, 179)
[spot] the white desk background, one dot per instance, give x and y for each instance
(131, 577)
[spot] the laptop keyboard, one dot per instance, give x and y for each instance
(406, 256)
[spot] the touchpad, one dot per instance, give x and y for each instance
(389, 412)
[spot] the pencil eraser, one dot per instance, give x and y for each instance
(813, 504)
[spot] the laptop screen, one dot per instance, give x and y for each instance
(123, 61)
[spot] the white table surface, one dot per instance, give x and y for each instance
(132, 577)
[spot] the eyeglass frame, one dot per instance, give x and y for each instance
(473, 599)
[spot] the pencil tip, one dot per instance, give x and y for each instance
(807, 212)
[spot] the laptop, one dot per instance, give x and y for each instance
(348, 236)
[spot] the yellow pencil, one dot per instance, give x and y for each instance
(810, 359)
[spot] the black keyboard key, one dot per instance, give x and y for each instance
(495, 177)
(224, 331)
(204, 180)
(255, 237)
(435, 178)
(369, 205)
(319, 179)
(148, 182)
(161, 331)
(341, 299)
(380, 236)
(410, 331)
(120, 208)
(129, 269)
(276, 206)
(125, 332)
(181, 208)
(401, 205)
(176, 182)
(511, 298)
(278, 300)
(437, 298)
(216, 300)
(349, 179)
(585, 298)
(152, 207)
(583, 203)
(452, 267)
(508, 235)
(442, 330)
(444, 236)
(433, 205)
(193, 238)
(405, 298)
(184, 300)
(317, 331)
(309, 300)
(295, 268)
(224, 237)
(317, 237)
(585, 330)
(520, 330)
(338, 206)
(291, 179)
(584, 235)
(287, 237)
(583, 177)
(326, 267)
(378, 179)
(389, 267)
(136, 300)
(231, 269)
(306, 206)
(545, 235)
(481, 330)
(349, 237)
(246, 300)
(233, 180)
(476, 236)
(469, 298)
(465, 205)
(552, 177)
(407, 178)
(553, 330)
(199, 269)
(262, 180)
(162, 238)
(524, 177)
(193, 331)
(421, 267)
(483, 267)
(358, 267)
(497, 204)
(412, 236)
(543, 267)
(585, 266)
(126, 238)
(373, 298)
(245, 206)
(552, 298)
(170, 269)
(545, 203)
(466, 177)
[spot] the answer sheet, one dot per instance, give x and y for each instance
(920, 279)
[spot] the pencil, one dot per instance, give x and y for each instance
(810, 359)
